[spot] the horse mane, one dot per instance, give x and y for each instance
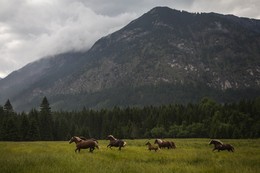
(111, 137)
(78, 138)
(83, 138)
(148, 143)
(216, 141)
(159, 140)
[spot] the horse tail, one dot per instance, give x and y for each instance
(96, 144)
(232, 148)
(124, 143)
(173, 145)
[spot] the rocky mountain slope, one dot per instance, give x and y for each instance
(165, 56)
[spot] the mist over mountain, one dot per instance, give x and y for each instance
(164, 56)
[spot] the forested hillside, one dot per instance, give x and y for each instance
(204, 119)
(165, 56)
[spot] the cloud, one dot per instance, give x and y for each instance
(31, 29)
(44, 28)
(239, 8)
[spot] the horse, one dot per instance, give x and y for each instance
(115, 142)
(84, 144)
(164, 144)
(150, 147)
(218, 145)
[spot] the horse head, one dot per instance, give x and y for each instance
(71, 139)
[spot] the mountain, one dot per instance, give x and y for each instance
(164, 56)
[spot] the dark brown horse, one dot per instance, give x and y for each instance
(84, 144)
(115, 142)
(218, 145)
(151, 147)
(165, 144)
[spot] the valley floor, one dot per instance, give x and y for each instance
(191, 155)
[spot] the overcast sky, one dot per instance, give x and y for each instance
(32, 29)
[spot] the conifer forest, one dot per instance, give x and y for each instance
(206, 119)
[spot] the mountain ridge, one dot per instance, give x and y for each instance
(164, 56)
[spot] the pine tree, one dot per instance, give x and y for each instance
(8, 108)
(11, 130)
(46, 121)
(33, 132)
(24, 128)
(2, 119)
(1, 111)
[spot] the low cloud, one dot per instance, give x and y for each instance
(47, 28)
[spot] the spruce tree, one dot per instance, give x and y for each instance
(11, 130)
(8, 108)
(34, 131)
(46, 121)
(24, 128)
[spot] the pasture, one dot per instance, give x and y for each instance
(191, 155)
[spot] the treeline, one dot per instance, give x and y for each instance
(204, 119)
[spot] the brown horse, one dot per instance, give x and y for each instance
(115, 142)
(165, 144)
(150, 147)
(218, 145)
(84, 144)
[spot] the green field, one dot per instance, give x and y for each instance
(191, 155)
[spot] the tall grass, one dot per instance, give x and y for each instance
(191, 155)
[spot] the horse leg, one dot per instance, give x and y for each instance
(110, 146)
(230, 149)
(77, 149)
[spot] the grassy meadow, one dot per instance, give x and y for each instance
(191, 155)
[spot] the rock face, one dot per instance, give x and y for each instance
(165, 56)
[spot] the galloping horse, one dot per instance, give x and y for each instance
(115, 142)
(150, 147)
(164, 144)
(84, 144)
(218, 145)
